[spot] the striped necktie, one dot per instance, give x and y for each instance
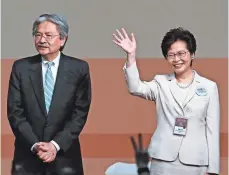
(49, 85)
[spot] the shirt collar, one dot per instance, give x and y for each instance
(56, 60)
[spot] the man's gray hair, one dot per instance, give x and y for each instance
(61, 23)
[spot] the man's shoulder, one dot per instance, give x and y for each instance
(76, 63)
(75, 60)
(23, 62)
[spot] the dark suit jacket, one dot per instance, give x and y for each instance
(68, 112)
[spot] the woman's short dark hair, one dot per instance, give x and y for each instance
(178, 34)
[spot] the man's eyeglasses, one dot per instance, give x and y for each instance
(180, 54)
(48, 37)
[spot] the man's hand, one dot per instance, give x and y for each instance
(141, 155)
(46, 151)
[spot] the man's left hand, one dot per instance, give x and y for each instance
(46, 151)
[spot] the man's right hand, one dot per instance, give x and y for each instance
(45, 151)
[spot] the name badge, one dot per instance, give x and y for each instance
(201, 91)
(180, 126)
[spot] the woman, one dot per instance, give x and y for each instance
(186, 139)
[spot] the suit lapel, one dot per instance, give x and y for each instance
(35, 74)
(59, 85)
(175, 91)
(192, 90)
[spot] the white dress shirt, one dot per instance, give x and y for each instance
(54, 70)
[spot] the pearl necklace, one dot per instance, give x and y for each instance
(184, 86)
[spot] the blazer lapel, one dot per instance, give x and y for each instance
(35, 74)
(60, 84)
(175, 91)
(192, 90)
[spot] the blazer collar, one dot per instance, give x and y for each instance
(35, 74)
(197, 77)
(175, 91)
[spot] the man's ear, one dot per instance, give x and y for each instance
(63, 41)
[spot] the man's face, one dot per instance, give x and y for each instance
(47, 39)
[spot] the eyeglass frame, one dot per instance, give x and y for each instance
(47, 38)
(176, 54)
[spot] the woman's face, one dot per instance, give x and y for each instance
(179, 57)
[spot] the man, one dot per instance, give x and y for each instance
(48, 103)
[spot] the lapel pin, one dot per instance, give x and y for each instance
(201, 91)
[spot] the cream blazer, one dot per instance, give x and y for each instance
(201, 144)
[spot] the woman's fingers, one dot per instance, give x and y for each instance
(119, 34)
(117, 38)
